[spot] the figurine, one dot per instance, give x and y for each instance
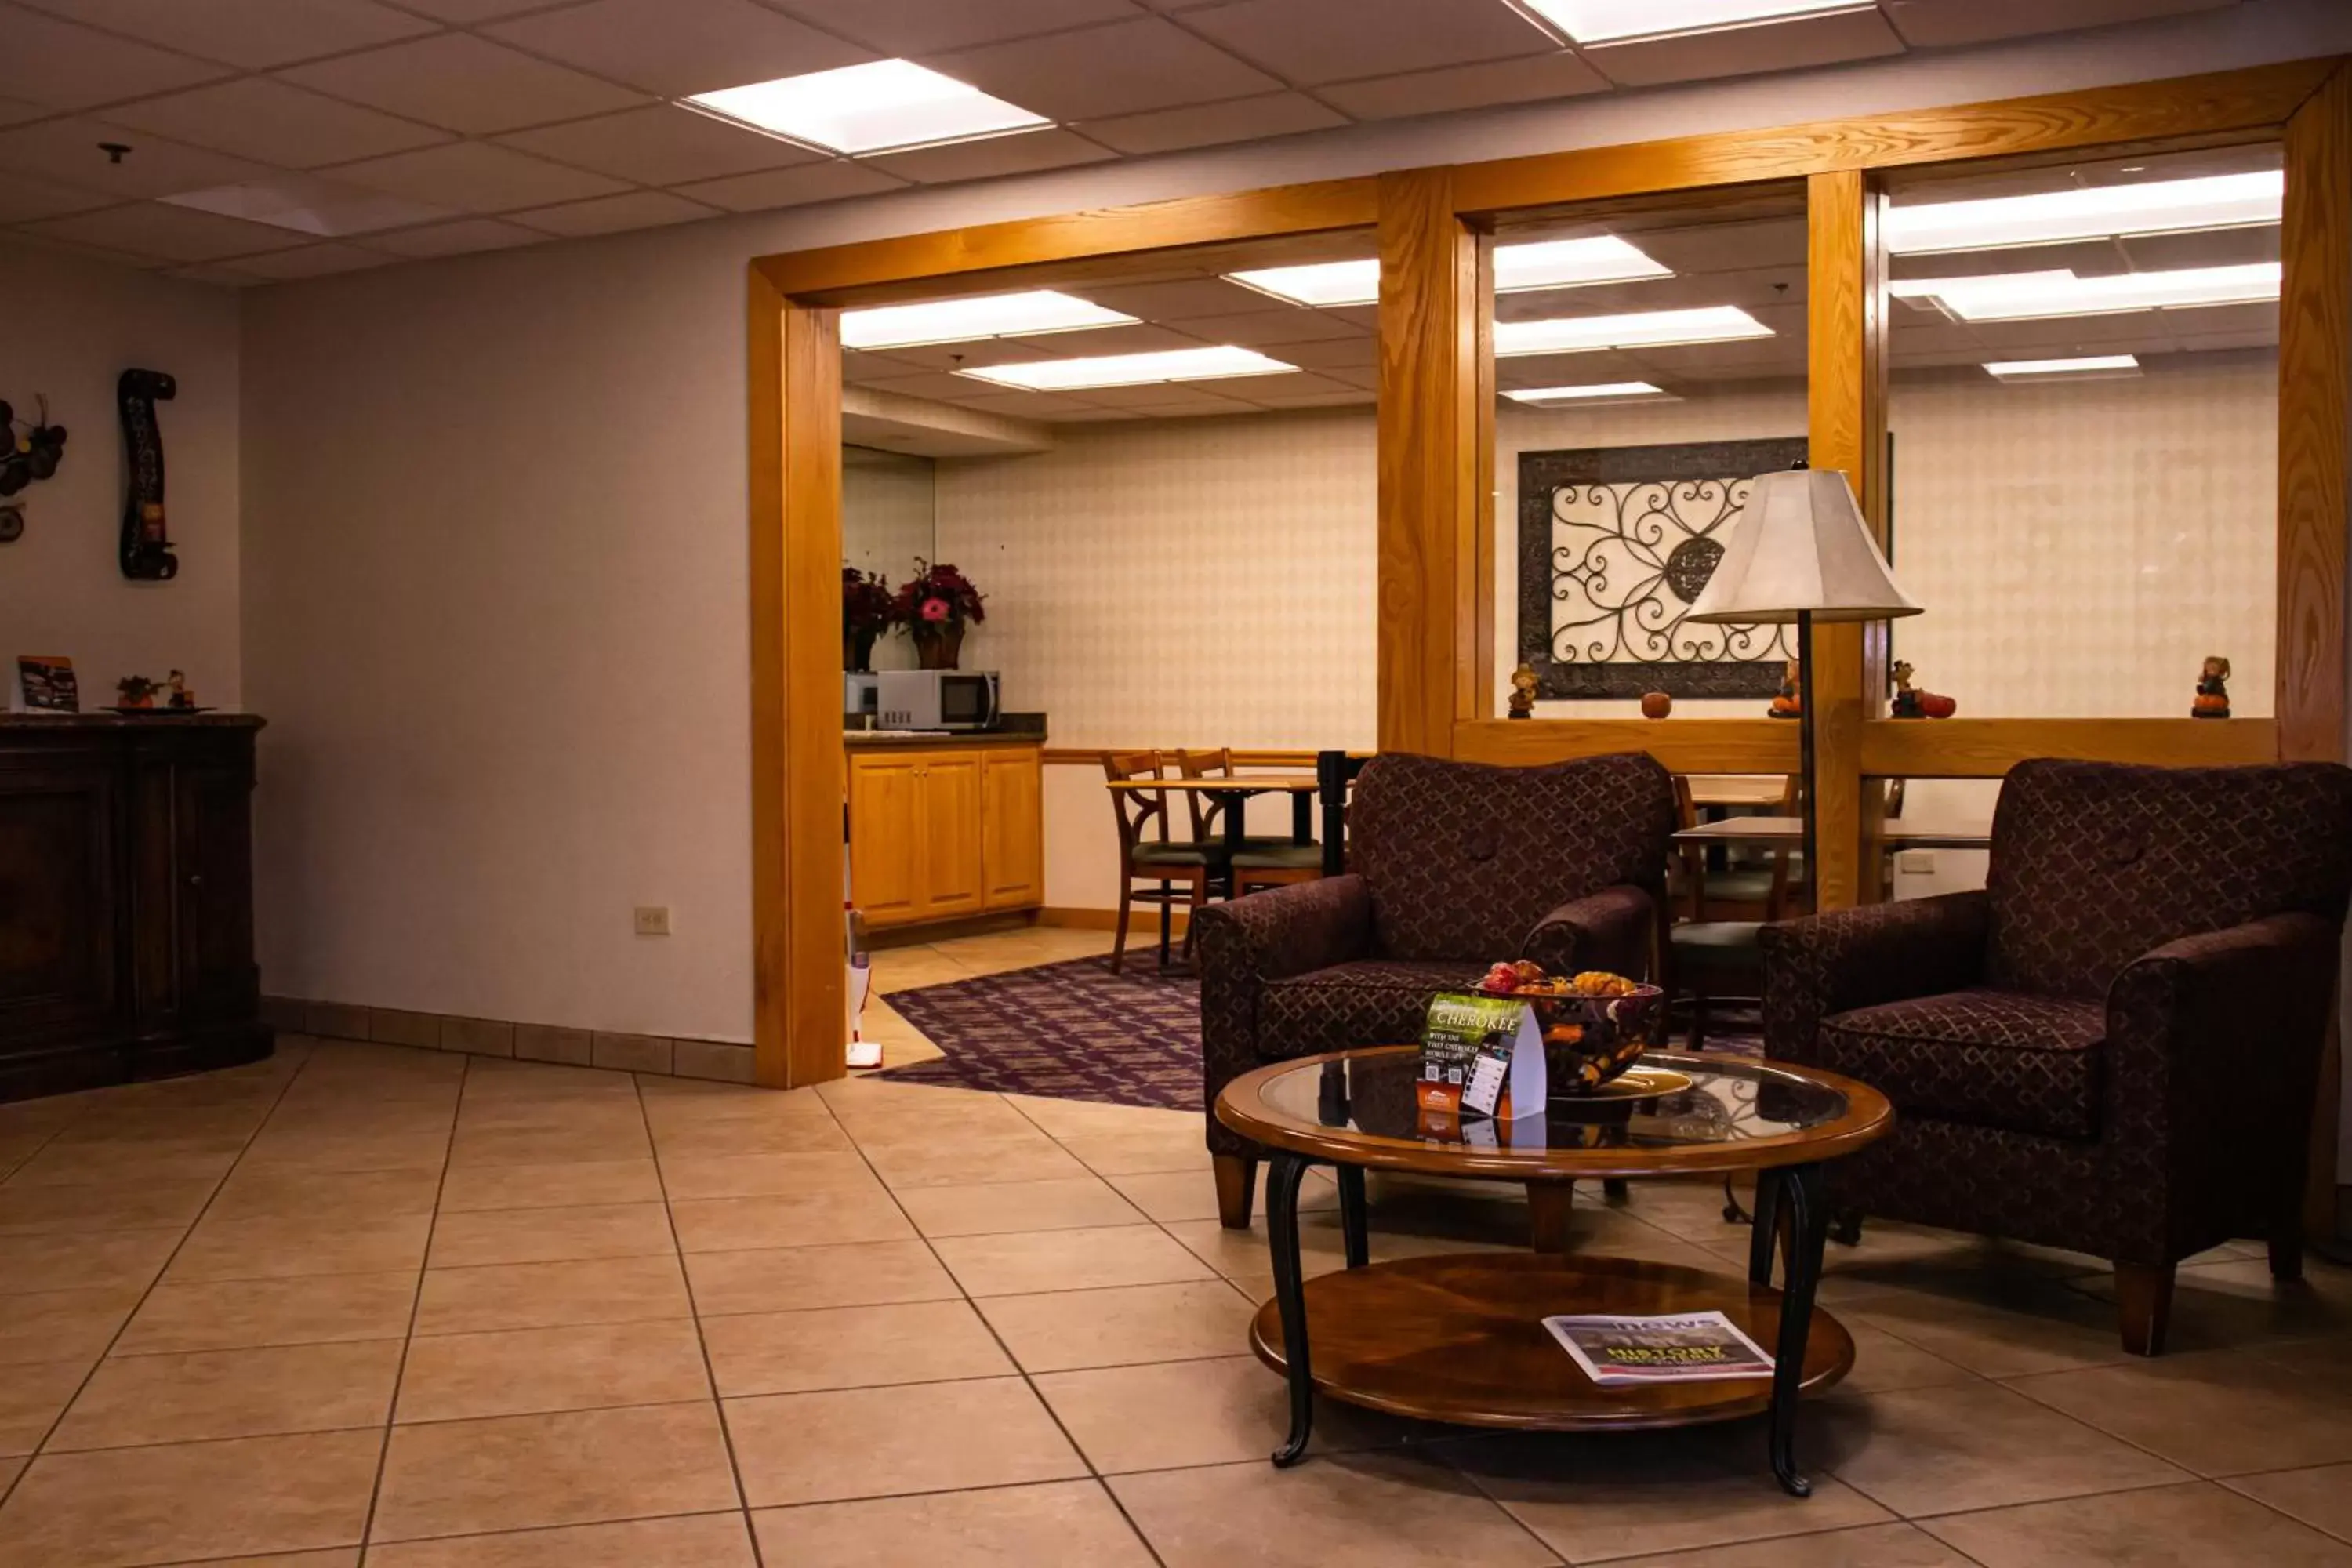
(2213, 690)
(1523, 692)
(1907, 695)
(177, 685)
(1788, 704)
(1656, 704)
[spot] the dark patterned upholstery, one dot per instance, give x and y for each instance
(2114, 1048)
(1454, 865)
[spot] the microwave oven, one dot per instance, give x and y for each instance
(861, 694)
(937, 699)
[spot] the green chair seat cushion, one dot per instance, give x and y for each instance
(1179, 853)
(1720, 941)
(1280, 854)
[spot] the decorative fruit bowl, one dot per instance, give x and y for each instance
(1595, 1025)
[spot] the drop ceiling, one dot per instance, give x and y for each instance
(504, 122)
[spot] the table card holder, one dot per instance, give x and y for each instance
(1481, 1056)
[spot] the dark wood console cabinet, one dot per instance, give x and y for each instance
(126, 899)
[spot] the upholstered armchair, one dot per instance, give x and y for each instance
(1453, 865)
(2114, 1046)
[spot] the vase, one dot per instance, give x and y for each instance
(857, 651)
(940, 649)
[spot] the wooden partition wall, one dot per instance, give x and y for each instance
(1436, 479)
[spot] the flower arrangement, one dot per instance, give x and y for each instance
(867, 610)
(936, 605)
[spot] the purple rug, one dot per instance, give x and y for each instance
(1066, 1031)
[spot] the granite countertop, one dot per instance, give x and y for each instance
(1014, 729)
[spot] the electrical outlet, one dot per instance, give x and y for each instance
(1915, 862)
(653, 919)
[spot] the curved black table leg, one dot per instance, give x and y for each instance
(1799, 1189)
(1284, 1172)
(1765, 1231)
(1353, 1226)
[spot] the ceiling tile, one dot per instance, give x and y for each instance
(794, 187)
(468, 12)
(254, 34)
(674, 49)
(1176, 301)
(1097, 72)
(1793, 44)
(46, 61)
(1525, 80)
(1360, 352)
(311, 261)
(66, 153)
(613, 215)
(1024, 154)
(1259, 329)
(168, 234)
(310, 204)
(219, 276)
(904, 27)
(1314, 41)
(1942, 23)
(273, 124)
(23, 200)
(473, 177)
(465, 83)
(456, 239)
(16, 111)
(1209, 124)
(661, 145)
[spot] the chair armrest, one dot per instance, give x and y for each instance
(1608, 930)
(1862, 957)
(1245, 942)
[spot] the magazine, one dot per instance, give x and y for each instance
(1694, 1347)
(45, 685)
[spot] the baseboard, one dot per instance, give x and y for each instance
(1146, 918)
(722, 1061)
(924, 931)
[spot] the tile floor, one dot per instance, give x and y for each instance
(424, 1311)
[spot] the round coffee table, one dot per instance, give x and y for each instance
(1460, 1338)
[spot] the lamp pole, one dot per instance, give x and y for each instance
(1805, 756)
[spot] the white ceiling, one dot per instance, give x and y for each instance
(503, 122)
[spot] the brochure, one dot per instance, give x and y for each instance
(45, 685)
(1696, 1347)
(1481, 1056)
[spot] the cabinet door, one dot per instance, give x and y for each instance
(1012, 828)
(212, 862)
(60, 897)
(886, 837)
(951, 796)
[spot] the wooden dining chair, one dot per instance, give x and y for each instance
(1175, 870)
(1710, 956)
(1264, 862)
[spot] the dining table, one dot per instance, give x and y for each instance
(1229, 791)
(1776, 832)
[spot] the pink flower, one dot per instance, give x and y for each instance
(935, 609)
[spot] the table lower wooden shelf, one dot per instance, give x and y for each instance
(1459, 1338)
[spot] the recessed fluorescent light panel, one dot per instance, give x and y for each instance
(2043, 369)
(2100, 212)
(870, 108)
(1621, 21)
(1542, 264)
(1642, 329)
(2031, 296)
(1601, 392)
(1130, 370)
(1031, 313)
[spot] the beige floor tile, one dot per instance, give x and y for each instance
(1882, 1362)
(2235, 1303)
(140, 1121)
(27, 1210)
(188, 1502)
(2190, 1526)
(291, 1245)
(129, 1163)
(858, 1274)
(551, 1235)
(1620, 1494)
(986, 1208)
(1869, 1546)
(32, 1397)
(966, 1118)
(1940, 1450)
(575, 1467)
(116, 1261)
(582, 1181)
(1033, 1261)
(1070, 1524)
(1166, 1196)
(2217, 1412)
(766, 1175)
(851, 1347)
(549, 1146)
(1028, 1156)
(265, 1191)
(1123, 1325)
(1141, 1154)
(61, 1325)
(803, 1219)
(345, 1557)
(615, 1114)
(1088, 1118)
(204, 1395)
(519, 1371)
(242, 1314)
(1365, 1511)
(10, 1468)
(693, 1541)
(716, 1138)
(880, 1442)
(1243, 1255)
(1208, 1411)
(2037, 1327)
(2320, 1497)
(490, 1297)
(329, 1149)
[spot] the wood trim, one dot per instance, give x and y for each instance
(1684, 745)
(1079, 918)
(2314, 423)
(1988, 747)
(2218, 104)
(1842, 359)
(1091, 756)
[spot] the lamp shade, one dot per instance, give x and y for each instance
(1799, 544)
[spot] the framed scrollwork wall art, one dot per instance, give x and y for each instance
(1615, 544)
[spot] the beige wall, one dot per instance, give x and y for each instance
(72, 327)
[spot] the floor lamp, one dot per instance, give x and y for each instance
(1799, 551)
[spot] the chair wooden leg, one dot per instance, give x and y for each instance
(1698, 1019)
(1616, 1189)
(1237, 1188)
(2144, 1305)
(1548, 1205)
(1167, 915)
(2286, 1251)
(1118, 941)
(1193, 910)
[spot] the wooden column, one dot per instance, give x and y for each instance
(799, 1008)
(1436, 468)
(1846, 431)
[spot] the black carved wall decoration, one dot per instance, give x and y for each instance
(1615, 543)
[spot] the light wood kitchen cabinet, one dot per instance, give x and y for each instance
(939, 833)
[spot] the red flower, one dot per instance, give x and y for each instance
(935, 609)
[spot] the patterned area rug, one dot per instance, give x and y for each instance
(1067, 1031)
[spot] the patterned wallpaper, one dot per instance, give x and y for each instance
(887, 500)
